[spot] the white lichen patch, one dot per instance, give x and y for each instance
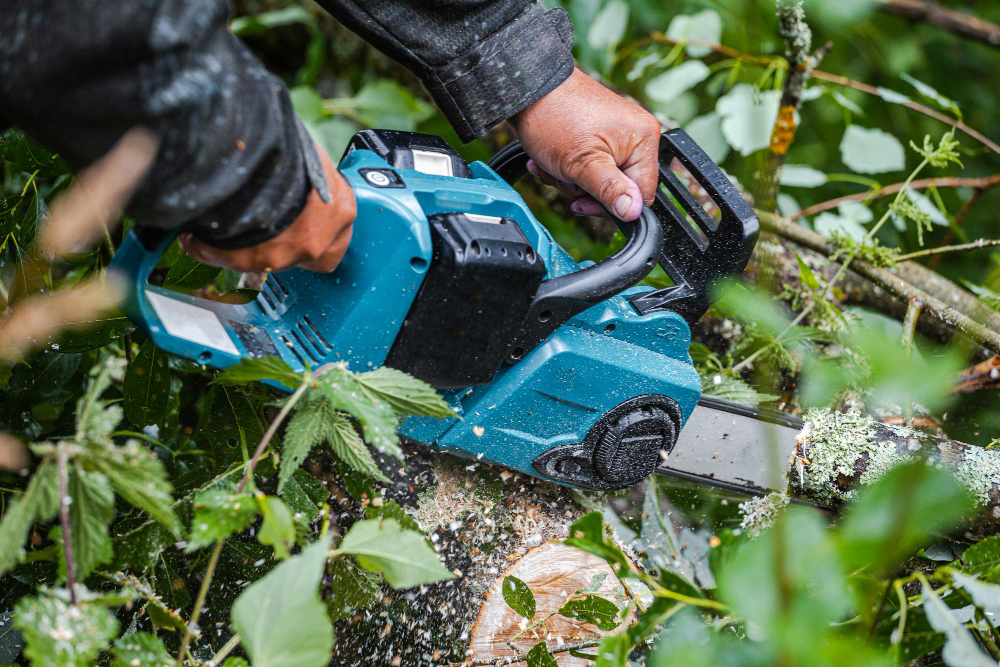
(979, 472)
(835, 442)
(761, 512)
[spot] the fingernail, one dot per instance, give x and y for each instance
(532, 167)
(622, 205)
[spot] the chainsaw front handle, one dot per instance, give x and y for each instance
(694, 249)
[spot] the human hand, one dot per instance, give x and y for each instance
(316, 240)
(598, 148)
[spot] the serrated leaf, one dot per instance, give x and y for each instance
(40, 501)
(592, 609)
(146, 386)
(218, 514)
(390, 509)
(60, 634)
(304, 494)
(91, 508)
(518, 596)
(871, 151)
(141, 648)
(404, 393)
(139, 548)
(352, 588)
(233, 429)
(734, 390)
(377, 417)
(277, 529)
(188, 274)
(280, 618)
(261, 368)
(138, 477)
(960, 649)
(402, 556)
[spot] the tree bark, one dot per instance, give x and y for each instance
(952, 20)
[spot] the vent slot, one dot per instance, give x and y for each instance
(316, 332)
(309, 352)
(291, 346)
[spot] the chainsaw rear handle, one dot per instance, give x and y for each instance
(559, 299)
(695, 250)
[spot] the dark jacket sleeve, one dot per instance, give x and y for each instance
(481, 60)
(234, 164)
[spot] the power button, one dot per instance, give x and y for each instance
(382, 178)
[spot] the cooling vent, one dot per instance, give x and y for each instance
(306, 343)
(272, 295)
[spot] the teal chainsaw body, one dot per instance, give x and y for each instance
(560, 370)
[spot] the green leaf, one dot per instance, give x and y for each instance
(60, 634)
(304, 494)
(402, 556)
(86, 335)
(377, 417)
(233, 429)
(592, 609)
(705, 27)
(587, 533)
(539, 656)
(219, 513)
(735, 390)
(281, 619)
(11, 639)
(138, 476)
(806, 275)
(91, 508)
(277, 529)
(802, 176)
(518, 596)
(352, 588)
(261, 368)
(931, 94)
(898, 514)
(387, 104)
(390, 509)
(141, 648)
(139, 549)
(608, 27)
(960, 649)
(871, 151)
(146, 386)
(30, 156)
(188, 274)
(668, 86)
(404, 393)
(40, 501)
(986, 295)
(982, 558)
(613, 651)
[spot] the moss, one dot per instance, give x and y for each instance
(980, 473)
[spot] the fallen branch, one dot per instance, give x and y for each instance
(974, 245)
(984, 375)
(893, 282)
(979, 184)
(952, 20)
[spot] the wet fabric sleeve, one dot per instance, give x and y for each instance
(481, 60)
(235, 164)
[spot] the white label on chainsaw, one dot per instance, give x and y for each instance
(432, 162)
(196, 325)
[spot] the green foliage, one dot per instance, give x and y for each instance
(518, 596)
(277, 528)
(141, 649)
(90, 512)
(260, 368)
(592, 609)
(40, 501)
(402, 556)
(58, 633)
(146, 386)
(539, 656)
(219, 513)
(280, 619)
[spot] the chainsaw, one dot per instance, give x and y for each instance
(569, 372)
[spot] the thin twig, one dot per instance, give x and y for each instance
(199, 601)
(67, 538)
(226, 649)
(909, 331)
(974, 245)
(920, 184)
(960, 23)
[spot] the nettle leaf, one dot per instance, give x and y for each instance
(402, 556)
(138, 476)
(518, 596)
(404, 393)
(281, 619)
(592, 609)
(871, 151)
(40, 501)
(960, 647)
(377, 417)
(262, 368)
(219, 513)
(141, 648)
(539, 656)
(735, 390)
(146, 386)
(304, 494)
(188, 274)
(278, 528)
(352, 588)
(390, 509)
(91, 508)
(982, 558)
(233, 429)
(60, 634)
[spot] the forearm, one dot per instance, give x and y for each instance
(481, 60)
(234, 165)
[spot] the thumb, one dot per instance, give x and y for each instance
(602, 178)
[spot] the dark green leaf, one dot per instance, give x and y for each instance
(403, 556)
(146, 386)
(983, 558)
(90, 512)
(390, 509)
(233, 429)
(141, 648)
(29, 156)
(899, 513)
(281, 619)
(539, 656)
(11, 639)
(261, 368)
(94, 333)
(188, 274)
(40, 501)
(138, 477)
(587, 533)
(139, 549)
(277, 528)
(219, 513)
(352, 588)
(518, 596)
(304, 494)
(592, 609)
